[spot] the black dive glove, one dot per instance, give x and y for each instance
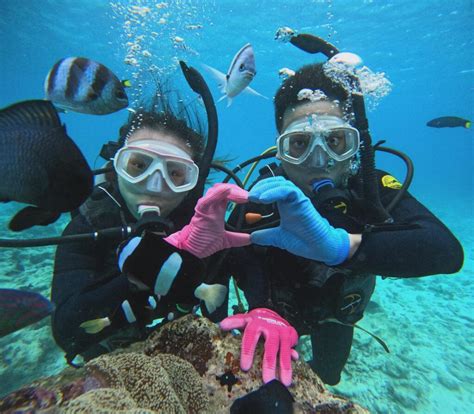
(151, 264)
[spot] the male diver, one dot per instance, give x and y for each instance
(323, 224)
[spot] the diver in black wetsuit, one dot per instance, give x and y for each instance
(105, 295)
(317, 275)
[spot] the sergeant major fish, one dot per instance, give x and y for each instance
(40, 164)
(241, 72)
(83, 85)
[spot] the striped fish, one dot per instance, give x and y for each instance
(19, 308)
(83, 85)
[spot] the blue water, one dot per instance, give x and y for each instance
(424, 47)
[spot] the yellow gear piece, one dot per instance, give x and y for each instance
(391, 182)
(342, 206)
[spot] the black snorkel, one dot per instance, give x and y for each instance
(198, 85)
(313, 44)
(149, 220)
(367, 158)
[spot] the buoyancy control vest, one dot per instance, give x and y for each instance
(306, 292)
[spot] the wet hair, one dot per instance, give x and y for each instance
(166, 112)
(312, 77)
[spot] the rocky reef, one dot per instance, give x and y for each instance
(187, 366)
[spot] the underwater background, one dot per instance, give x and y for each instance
(423, 51)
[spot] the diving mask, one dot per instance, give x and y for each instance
(152, 162)
(332, 134)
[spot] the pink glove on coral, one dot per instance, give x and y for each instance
(280, 337)
(206, 234)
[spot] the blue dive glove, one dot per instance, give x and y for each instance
(302, 231)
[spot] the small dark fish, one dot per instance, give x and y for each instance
(449, 122)
(271, 398)
(227, 378)
(83, 85)
(40, 165)
(313, 44)
(19, 308)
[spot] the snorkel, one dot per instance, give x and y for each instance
(313, 44)
(198, 85)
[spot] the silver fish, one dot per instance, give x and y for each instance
(241, 72)
(83, 85)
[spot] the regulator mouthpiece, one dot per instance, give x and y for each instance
(151, 220)
(144, 209)
(321, 185)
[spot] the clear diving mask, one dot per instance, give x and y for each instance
(316, 138)
(153, 162)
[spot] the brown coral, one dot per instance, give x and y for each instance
(28, 399)
(164, 383)
(190, 338)
(104, 401)
(214, 353)
(133, 382)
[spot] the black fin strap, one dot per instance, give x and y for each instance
(353, 325)
(378, 339)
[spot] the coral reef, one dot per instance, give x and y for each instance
(187, 366)
(214, 353)
(164, 382)
(104, 401)
(192, 341)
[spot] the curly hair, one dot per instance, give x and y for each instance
(313, 77)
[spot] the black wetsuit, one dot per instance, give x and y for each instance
(88, 284)
(307, 292)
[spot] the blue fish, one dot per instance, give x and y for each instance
(19, 308)
(83, 85)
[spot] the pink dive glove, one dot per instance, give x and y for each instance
(280, 338)
(205, 234)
